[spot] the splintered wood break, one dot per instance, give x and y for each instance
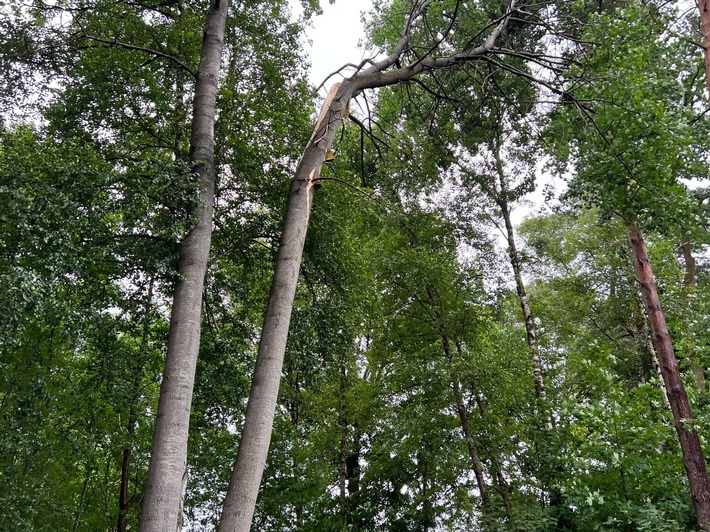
(323, 116)
(314, 179)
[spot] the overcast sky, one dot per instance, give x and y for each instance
(335, 35)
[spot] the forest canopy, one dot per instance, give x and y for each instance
(467, 290)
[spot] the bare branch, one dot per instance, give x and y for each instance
(401, 46)
(376, 77)
(127, 46)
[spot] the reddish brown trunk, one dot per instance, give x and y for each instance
(704, 7)
(693, 459)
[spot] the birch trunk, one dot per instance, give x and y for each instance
(693, 459)
(530, 332)
(168, 461)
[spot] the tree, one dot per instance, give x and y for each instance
(246, 477)
(125, 76)
(614, 434)
(632, 169)
(167, 475)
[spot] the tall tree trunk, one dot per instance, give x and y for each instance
(462, 411)
(342, 424)
(693, 459)
(243, 488)
(476, 464)
(530, 332)
(502, 487)
(704, 7)
(168, 461)
(256, 435)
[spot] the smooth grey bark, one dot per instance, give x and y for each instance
(168, 461)
(241, 496)
(256, 436)
(693, 459)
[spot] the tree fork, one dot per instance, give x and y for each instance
(692, 452)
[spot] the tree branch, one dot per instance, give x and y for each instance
(376, 77)
(127, 46)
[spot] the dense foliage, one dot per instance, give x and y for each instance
(409, 398)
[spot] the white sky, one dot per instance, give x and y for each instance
(335, 36)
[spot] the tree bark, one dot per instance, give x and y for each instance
(704, 8)
(693, 459)
(462, 411)
(244, 484)
(530, 332)
(168, 461)
(243, 488)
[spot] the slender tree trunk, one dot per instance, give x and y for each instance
(352, 471)
(476, 464)
(693, 459)
(342, 424)
(691, 267)
(82, 499)
(243, 488)
(168, 461)
(502, 488)
(654, 357)
(530, 332)
(123, 497)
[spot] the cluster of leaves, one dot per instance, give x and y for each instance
(408, 398)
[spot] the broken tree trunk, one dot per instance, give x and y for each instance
(693, 459)
(256, 435)
(240, 499)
